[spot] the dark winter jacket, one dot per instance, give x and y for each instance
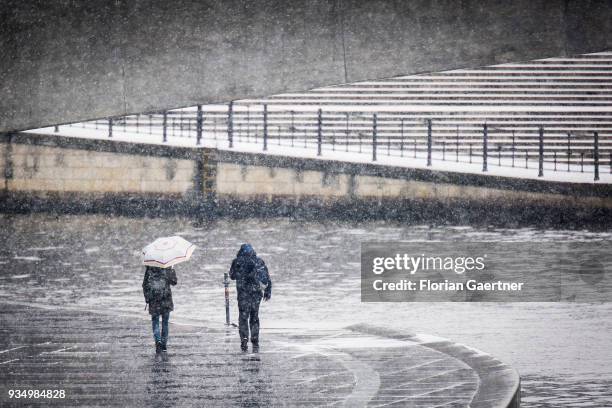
(244, 271)
(163, 304)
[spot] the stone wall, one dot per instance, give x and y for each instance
(65, 174)
(381, 187)
(248, 181)
(38, 168)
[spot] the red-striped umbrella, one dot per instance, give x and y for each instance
(167, 251)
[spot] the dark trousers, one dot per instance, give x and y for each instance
(163, 337)
(248, 309)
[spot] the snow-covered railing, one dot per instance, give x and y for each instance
(489, 142)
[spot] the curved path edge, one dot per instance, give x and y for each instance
(500, 384)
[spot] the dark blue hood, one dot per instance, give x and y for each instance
(246, 250)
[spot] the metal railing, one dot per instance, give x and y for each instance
(392, 134)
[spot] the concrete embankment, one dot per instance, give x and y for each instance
(105, 357)
(499, 385)
(50, 173)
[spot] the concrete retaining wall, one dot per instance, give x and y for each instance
(247, 181)
(47, 172)
(57, 169)
(257, 181)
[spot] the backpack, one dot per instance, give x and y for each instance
(261, 275)
(157, 286)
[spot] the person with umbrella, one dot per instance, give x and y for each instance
(252, 284)
(159, 259)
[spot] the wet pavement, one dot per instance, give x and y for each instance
(572, 391)
(91, 264)
(102, 359)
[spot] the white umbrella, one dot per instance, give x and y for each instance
(167, 251)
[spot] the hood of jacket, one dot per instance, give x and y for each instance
(246, 250)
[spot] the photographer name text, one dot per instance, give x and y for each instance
(431, 286)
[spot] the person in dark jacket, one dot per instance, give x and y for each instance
(252, 284)
(158, 295)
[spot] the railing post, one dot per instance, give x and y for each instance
(374, 137)
(319, 132)
(541, 153)
(292, 127)
(457, 146)
(226, 284)
(402, 139)
(181, 124)
(110, 127)
(569, 151)
(165, 127)
(485, 141)
(265, 127)
(347, 131)
(230, 124)
(56, 128)
(249, 123)
(429, 142)
(596, 155)
(199, 126)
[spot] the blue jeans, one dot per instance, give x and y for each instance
(163, 338)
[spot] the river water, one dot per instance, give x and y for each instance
(562, 350)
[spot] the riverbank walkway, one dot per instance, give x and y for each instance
(107, 359)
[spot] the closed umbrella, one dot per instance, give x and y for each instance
(167, 251)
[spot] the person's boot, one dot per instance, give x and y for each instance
(164, 348)
(244, 345)
(158, 347)
(256, 347)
